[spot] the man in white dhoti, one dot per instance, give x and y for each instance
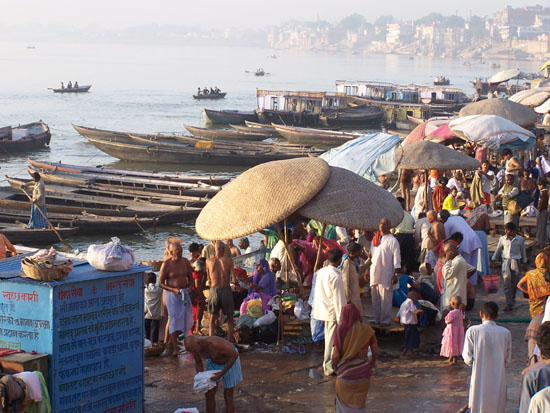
(329, 299)
(470, 245)
(488, 348)
(386, 259)
(455, 275)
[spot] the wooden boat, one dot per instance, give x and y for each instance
(116, 194)
(442, 81)
(191, 155)
(224, 134)
(287, 118)
(80, 89)
(24, 138)
(258, 125)
(365, 116)
(307, 136)
(259, 72)
(91, 205)
(268, 132)
(105, 180)
(220, 95)
(226, 116)
(87, 224)
(20, 234)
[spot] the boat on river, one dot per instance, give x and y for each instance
(442, 81)
(163, 176)
(224, 134)
(268, 132)
(20, 234)
(219, 95)
(24, 138)
(316, 137)
(79, 89)
(359, 116)
(227, 116)
(196, 156)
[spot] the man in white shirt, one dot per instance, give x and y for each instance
(488, 348)
(386, 259)
(329, 299)
(455, 274)
(470, 245)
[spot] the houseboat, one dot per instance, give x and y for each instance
(296, 108)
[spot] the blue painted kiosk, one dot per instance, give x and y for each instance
(90, 324)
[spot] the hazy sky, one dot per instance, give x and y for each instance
(229, 13)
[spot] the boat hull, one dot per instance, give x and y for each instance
(225, 134)
(210, 96)
(225, 117)
(286, 118)
(81, 89)
(33, 142)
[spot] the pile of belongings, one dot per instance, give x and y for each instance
(26, 391)
(112, 256)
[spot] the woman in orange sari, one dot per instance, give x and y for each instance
(350, 361)
(536, 283)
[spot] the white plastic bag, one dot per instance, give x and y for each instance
(300, 310)
(112, 256)
(265, 320)
(203, 381)
(187, 410)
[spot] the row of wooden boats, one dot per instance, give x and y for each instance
(96, 200)
(179, 149)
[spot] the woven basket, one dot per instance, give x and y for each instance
(45, 270)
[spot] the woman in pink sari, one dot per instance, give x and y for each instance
(350, 361)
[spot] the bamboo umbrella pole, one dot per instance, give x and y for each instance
(293, 265)
(319, 248)
(426, 202)
(48, 221)
(287, 276)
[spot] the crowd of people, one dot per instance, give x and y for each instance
(70, 85)
(428, 266)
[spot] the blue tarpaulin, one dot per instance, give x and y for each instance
(369, 156)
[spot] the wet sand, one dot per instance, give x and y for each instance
(275, 381)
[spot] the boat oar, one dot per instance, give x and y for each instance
(48, 221)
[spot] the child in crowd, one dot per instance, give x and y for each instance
(408, 317)
(453, 336)
(152, 306)
(197, 295)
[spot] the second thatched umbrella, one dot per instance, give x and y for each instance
(515, 112)
(429, 155)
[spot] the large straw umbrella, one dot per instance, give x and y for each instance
(262, 196)
(515, 112)
(350, 201)
(505, 75)
(531, 97)
(428, 155)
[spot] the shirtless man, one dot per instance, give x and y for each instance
(219, 270)
(176, 277)
(436, 233)
(219, 355)
(235, 251)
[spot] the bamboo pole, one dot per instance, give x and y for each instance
(319, 248)
(426, 202)
(287, 276)
(299, 278)
(48, 221)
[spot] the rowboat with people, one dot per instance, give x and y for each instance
(79, 89)
(220, 95)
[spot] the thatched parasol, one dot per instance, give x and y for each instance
(262, 196)
(531, 97)
(544, 108)
(350, 201)
(431, 155)
(505, 75)
(515, 112)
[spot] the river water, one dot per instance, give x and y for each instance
(148, 88)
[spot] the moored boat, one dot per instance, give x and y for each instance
(442, 81)
(226, 116)
(309, 136)
(224, 134)
(268, 132)
(79, 89)
(220, 95)
(24, 138)
(195, 156)
(20, 234)
(360, 116)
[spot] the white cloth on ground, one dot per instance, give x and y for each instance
(488, 348)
